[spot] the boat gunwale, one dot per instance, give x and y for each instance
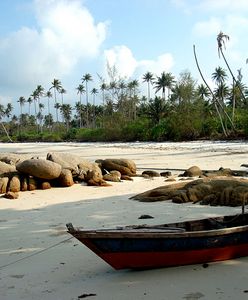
(149, 233)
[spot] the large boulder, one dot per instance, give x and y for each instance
(193, 171)
(40, 168)
(66, 161)
(124, 166)
(13, 158)
(6, 168)
(221, 191)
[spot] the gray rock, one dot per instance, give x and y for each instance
(40, 168)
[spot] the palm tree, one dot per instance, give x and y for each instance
(66, 110)
(8, 110)
(156, 110)
(39, 93)
(62, 92)
(56, 86)
(57, 107)
(21, 101)
(80, 90)
(87, 77)
(103, 89)
(94, 91)
(221, 38)
(148, 77)
(48, 95)
(29, 100)
(166, 80)
(2, 114)
(219, 75)
(202, 91)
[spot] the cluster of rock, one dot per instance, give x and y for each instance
(20, 173)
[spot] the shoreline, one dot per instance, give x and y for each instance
(37, 221)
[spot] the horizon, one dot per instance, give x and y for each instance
(64, 39)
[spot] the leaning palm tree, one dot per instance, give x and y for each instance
(87, 77)
(215, 100)
(148, 77)
(2, 114)
(80, 90)
(221, 38)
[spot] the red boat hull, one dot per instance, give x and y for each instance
(146, 260)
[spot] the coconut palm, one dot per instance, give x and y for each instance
(57, 107)
(66, 111)
(56, 86)
(29, 100)
(62, 92)
(21, 101)
(148, 77)
(219, 75)
(94, 91)
(86, 78)
(2, 114)
(80, 90)
(166, 80)
(48, 95)
(221, 38)
(202, 91)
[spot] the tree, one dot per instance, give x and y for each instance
(57, 107)
(94, 91)
(66, 110)
(48, 95)
(86, 78)
(21, 101)
(29, 100)
(221, 38)
(148, 77)
(156, 110)
(219, 75)
(2, 114)
(166, 80)
(56, 86)
(80, 90)
(62, 92)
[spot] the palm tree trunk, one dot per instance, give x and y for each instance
(233, 77)
(214, 98)
(5, 130)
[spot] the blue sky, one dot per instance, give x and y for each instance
(45, 39)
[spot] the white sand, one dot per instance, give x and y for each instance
(37, 220)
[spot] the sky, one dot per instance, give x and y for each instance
(64, 39)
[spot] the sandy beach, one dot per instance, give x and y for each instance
(66, 269)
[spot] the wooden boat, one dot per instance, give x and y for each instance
(174, 244)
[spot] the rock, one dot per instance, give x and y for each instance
(85, 166)
(65, 179)
(45, 185)
(40, 168)
(11, 195)
(192, 172)
(126, 177)
(32, 184)
(223, 191)
(124, 166)
(166, 174)
(114, 176)
(66, 161)
(6, 168)
(93, 179)
(13, 158)
(24, 183)
(14, 184)
(150, 173)
(3, 184)
(146, 217)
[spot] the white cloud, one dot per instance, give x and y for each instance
(127, 66)
(207, 28)
(65, 34)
